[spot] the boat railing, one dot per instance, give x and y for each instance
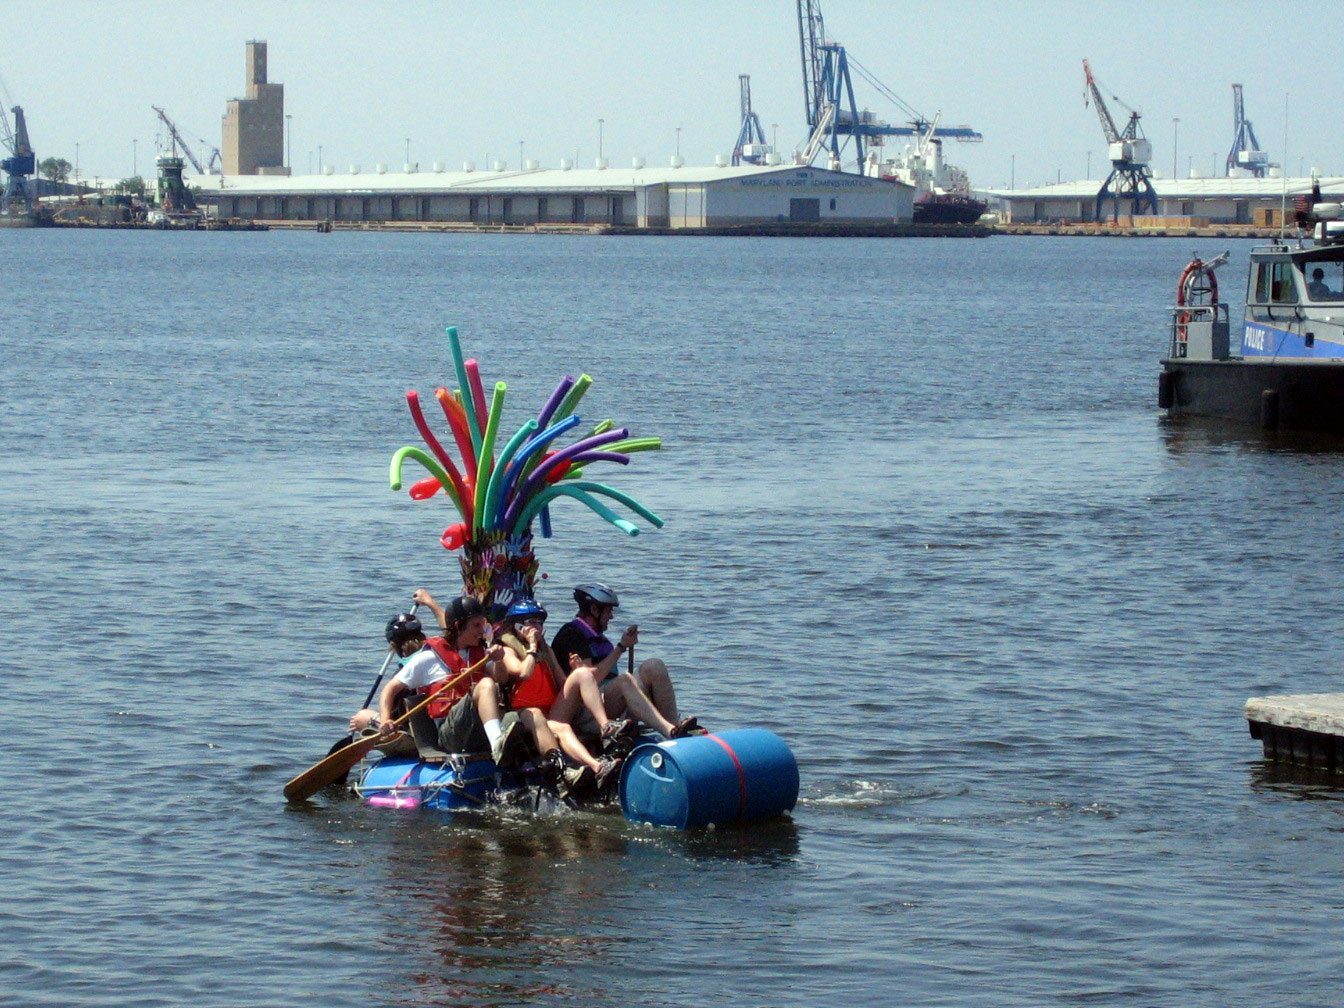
(1199, 331)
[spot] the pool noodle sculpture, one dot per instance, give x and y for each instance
(499, 497)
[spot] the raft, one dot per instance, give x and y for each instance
(730, 778)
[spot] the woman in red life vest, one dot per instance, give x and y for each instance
(536, 684)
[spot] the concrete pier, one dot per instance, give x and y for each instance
(1306, 728)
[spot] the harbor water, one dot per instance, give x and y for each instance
(924, 522)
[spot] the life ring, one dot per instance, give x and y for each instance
(1191, 292)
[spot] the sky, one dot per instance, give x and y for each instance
(470, 81)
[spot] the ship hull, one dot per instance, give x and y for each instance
(949, 210)
(1303, 395)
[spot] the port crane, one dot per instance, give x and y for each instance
(176, 141)
(833, 116)
(750, 146)
(19, 167)
(17, 197)
(1130, 178)
(1245, 152)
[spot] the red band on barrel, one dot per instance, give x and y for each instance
(741, 777)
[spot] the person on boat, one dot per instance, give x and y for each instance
(468, 716)
(536, 683)
(1317, 289)
(583, 649)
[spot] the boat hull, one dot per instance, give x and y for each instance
(1302, 395)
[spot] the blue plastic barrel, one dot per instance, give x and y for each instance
(737, 776)
(399, 782)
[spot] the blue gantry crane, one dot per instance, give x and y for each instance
(1245, 152)
(750, 146)
(18, 196)
(1130, 178)
(833, 115)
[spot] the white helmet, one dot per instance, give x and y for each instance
(596, 593)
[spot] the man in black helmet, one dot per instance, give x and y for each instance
(581, 646)
(406, 637)
(467, 716)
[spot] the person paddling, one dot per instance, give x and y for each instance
(582, 647)
(467, 717)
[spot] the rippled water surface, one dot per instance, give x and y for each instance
(923, 521)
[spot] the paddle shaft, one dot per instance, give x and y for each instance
(337, 764)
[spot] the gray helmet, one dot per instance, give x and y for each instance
(402, 627)
(595, 593)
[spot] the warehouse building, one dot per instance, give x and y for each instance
(1204, 200)
(675, 197)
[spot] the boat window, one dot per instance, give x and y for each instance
(1282, 286)
(1261, 289)
(1324, 280)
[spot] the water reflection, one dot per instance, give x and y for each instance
(768, 843)
(506, 904)
(1199, 435)
(1294, 780)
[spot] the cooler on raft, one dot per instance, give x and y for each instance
(720, 779)
(399, 782)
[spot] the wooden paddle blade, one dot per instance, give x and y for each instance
(333, 767)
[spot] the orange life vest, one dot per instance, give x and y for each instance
(443, 702)
(538, 689)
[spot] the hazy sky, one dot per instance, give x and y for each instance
(464, 81)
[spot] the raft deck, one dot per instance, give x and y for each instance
(1306, 728)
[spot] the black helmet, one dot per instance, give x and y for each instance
(402, 627)
(595, 593)
(463, 609)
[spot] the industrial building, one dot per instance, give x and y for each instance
(254, 127)
(1211, 201)
(675, 197)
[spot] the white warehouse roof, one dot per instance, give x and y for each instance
(540, 179)
(1186, 188)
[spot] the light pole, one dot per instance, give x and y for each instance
(408, 150)
(678, 141)
(76, 162)
(1175, 136)
(1012, 173)
(1089, 164)
(774, 137)
(289, 141)
(520, 155)
(319, 159)
(599, 138)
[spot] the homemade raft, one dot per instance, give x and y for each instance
(498, 488)
(729, 778)
(1306, 728)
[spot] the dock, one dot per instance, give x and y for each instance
(1305, 728)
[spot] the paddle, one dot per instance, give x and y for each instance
(336, 765)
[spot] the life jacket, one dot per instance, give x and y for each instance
(538, 689)
(443, 702)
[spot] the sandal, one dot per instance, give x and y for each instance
(690, 726)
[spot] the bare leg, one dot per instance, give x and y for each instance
(581, 691)
(486, 695)
(636, 703)
(657, 684)
(571, 745)
(535, 721)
